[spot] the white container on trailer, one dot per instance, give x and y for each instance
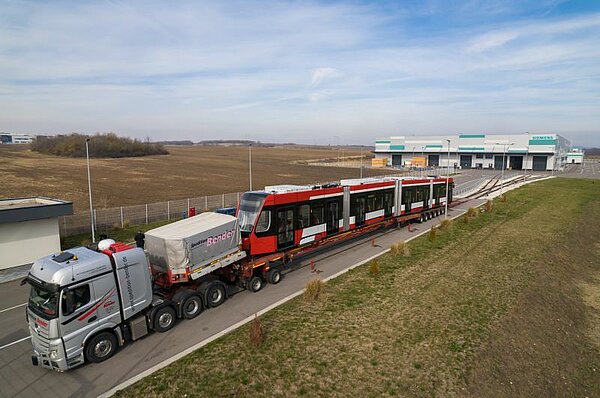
(200, 244)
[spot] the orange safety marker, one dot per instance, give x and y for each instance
(312, 266)
(410, 227)
(373, 242)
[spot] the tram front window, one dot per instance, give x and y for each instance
(250, 206)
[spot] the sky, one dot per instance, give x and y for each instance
(315, 72)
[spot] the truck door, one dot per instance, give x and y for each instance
(285, 228)
(78, 316)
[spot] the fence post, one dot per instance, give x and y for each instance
(188, 208)
(168, 210)
(223, 200)
(146, 213)
(122, 221)
(205, 202)
(95, 220)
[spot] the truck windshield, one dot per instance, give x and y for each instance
(250, 206)
(43, 302)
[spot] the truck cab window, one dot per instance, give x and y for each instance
(75, 298)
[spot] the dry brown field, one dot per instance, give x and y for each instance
(189, 171)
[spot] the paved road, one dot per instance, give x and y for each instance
(19, 378)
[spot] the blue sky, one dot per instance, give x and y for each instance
(301, 71)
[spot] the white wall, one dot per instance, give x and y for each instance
(24, 242)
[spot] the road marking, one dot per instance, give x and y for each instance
(15, 342)
(12, 308)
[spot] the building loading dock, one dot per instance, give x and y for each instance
(29, 229)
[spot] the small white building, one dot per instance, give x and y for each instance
(16, 138)
(29, 229)
(482, 151)
(575, 157)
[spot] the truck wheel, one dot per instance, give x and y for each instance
(215, 295)
(164, 319)
(192, 307)
(274, 276)
(101, 347)
(254, 284)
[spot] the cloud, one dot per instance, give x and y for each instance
(491, 40)
(321, 74)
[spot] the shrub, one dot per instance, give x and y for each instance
(126, 224)
(256, 334)
(400, 249)
(314, 290)
(102, 146)
(374, 267)
(446, 224)
(472, 212)
(489, 206)
(503, 198)
(116, 226)
(433, 234)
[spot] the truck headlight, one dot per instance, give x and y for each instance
(53, 354)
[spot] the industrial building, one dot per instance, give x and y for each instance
(29, 229)
(575, 157)
(481, 151)
(15, 138)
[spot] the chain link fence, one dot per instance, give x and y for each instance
(125, 216)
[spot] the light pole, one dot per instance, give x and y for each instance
(423, 158)
(447, 178)
(361, 156)
(87, 156)
(250, 164)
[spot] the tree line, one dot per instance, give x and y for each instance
(107, 145)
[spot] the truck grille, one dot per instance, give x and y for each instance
(39, 337)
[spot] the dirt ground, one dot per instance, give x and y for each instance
(189, 171)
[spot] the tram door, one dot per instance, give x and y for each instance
(360, 211)
(332, 217)
(407, 199)
(425, 197)
(388, 202)
(285, 228)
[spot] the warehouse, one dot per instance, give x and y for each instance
(575, 157)
(29, 229)
(540, 152)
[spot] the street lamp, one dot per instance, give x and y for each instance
(87, 156)
(447, 178)
(361, 161)
(250, 164)
(423, 158)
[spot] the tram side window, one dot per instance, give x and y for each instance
(264, 221)
(419, 195)
(303, 216)
(406, 196)
(316, 215)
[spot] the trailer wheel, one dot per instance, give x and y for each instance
(274, 276)
(254, 284)
(164, 319)
(101, 347)
(215, 295)
(192, 307)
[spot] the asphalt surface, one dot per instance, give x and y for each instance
(18, 377)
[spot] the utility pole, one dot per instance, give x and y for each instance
(361, 162)
(87, 156)
(250, 164)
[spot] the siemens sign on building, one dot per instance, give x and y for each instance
(539, 152)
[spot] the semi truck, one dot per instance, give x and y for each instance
(86, 302)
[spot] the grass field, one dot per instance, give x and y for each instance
(504, 305)
(189, 171)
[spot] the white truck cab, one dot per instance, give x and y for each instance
(83, 301)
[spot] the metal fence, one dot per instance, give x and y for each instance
(125, 216)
